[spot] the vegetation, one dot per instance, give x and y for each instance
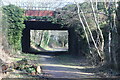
(15, 19)
(40, 18)
(96, 25)
(91, 21)
(48, 40)
(117, 52)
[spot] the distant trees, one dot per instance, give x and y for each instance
(63, 40)
(15, 17)
(49, 38)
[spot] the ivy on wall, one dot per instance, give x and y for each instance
(15, 18)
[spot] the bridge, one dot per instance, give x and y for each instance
(46, 25)
(42, 9)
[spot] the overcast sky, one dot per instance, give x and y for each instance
(14, 1)
(56, 3)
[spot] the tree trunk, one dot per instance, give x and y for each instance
(83, 27)
(109, 46)
(89, 32)
(41, 37)
(101, 53)
(49, 34)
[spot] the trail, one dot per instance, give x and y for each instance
(61, 67)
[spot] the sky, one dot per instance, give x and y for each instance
(14, 1)
(33, 2)
(6, 2)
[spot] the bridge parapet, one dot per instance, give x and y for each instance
(39, 13)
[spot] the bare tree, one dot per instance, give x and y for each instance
(83, 27)
(100, 31)
(90, 32)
